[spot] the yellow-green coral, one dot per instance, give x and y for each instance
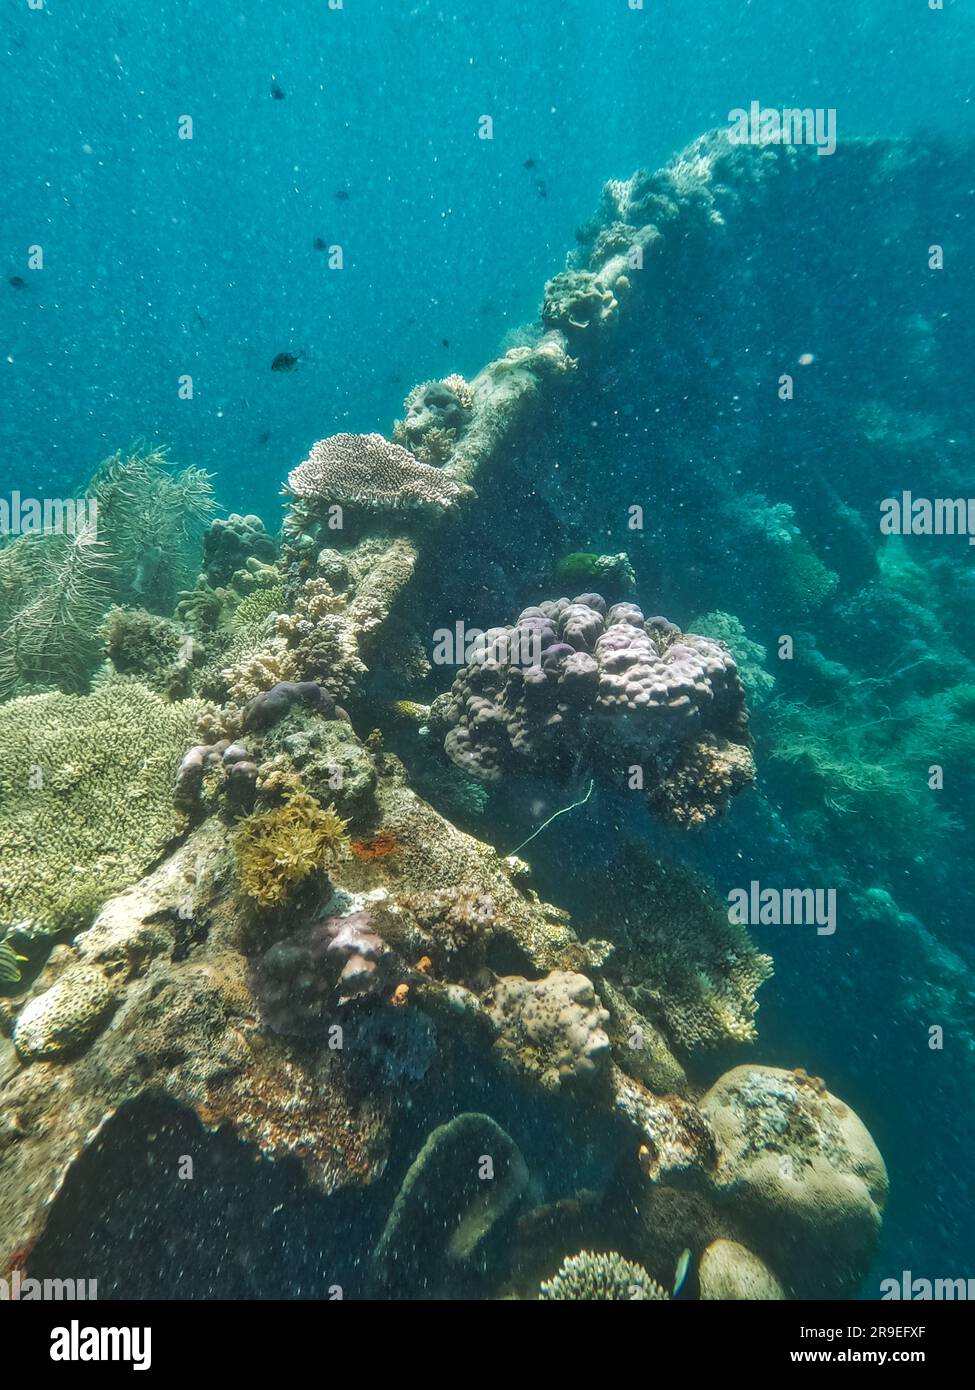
(277, 849)
(85, 797)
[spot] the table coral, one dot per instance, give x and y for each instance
(368, 473)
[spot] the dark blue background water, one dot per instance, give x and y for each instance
(165, 257)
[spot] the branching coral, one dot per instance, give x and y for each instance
(678, 959)
(278, 849)
(587, 1277)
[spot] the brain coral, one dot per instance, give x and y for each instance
(85, 797)
(367, 471)
(600, 1278)
(572, 684)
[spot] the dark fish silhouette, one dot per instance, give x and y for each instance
(276, 92)
(285, 362)
(264, 436)
(320, 244)
(343, 195)
(528, 164)
(445, 342)
(17, 281)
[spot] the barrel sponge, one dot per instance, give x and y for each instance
(367, 471)
(553, 1029)
(805, 1179)
(85, 797)
(62, 1020)
(608, 1278)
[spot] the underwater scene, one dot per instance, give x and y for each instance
(487, 671)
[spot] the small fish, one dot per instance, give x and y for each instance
(445, 342)
(394, 380)
(680, 1273)
(276, 92)
(200, 320)
(264, 436)
(320, 244)
(542, 190)
(529, 164)
(343, 195)
(285, 361)
(17, 282)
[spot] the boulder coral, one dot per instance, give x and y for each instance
(802, 1174)
(574, 683)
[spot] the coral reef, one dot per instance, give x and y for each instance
(573, 685)
(85, 797)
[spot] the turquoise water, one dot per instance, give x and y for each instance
(206, 260)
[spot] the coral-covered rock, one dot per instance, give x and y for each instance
(552, 1028)
(803, 1176)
